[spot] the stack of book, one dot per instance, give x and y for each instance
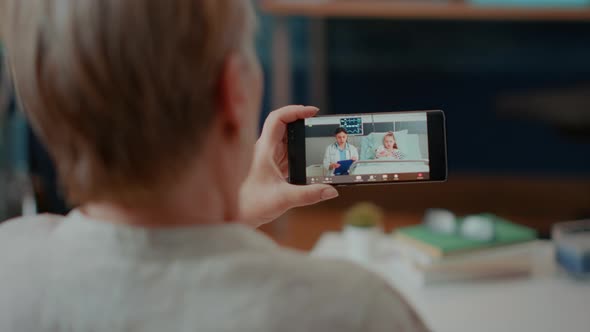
(430, 257)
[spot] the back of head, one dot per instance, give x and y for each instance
(120, 91)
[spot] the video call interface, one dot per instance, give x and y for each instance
(379, 147)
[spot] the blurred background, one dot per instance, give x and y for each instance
(513, 77)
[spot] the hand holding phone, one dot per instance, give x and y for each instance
(265, 195)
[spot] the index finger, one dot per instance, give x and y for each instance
(275, 125)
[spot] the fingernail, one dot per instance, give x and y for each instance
(329, 193)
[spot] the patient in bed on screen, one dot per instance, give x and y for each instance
(389, 150)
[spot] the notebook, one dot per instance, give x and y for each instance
(441, 245)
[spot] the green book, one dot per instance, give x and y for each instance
(439, 245)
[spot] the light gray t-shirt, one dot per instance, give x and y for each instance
(81, 275)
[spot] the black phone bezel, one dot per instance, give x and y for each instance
(437, 150)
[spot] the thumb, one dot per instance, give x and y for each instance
(310, 194)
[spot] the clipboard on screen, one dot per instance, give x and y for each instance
(344, 167)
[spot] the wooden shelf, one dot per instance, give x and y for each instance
(431, 11)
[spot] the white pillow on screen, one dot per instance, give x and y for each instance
(410, 146)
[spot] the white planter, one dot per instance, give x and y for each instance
(361, 242)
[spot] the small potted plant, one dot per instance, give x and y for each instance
(362, 229)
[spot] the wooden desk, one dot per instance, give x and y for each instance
(535, 202)
(320, 10)
(302, 228)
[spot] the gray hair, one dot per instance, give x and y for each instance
(121, 90)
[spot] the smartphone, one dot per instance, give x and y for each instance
(369, 148)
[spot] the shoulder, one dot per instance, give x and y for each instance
(24, 226)
(23, 267)
(23, 246)
(338, 291)
(20, 234)
(316, 275)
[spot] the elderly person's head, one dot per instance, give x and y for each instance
(134, 98)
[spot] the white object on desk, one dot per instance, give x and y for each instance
(360, 242)
(547, 300)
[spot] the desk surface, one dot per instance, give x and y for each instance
(546, 301)
(436, 11)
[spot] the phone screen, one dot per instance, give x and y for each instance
(367, 148)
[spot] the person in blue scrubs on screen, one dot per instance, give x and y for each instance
(339, 151)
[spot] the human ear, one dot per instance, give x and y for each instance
(232, 94)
